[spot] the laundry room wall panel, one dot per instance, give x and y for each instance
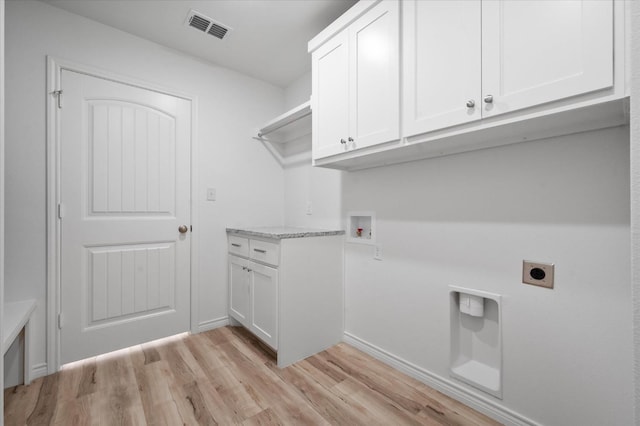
(469, 220)
(228, 107)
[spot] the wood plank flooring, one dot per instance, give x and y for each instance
(225, 377)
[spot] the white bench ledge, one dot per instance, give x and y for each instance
(15, 317)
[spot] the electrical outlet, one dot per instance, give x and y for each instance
(537, 273)
(377, 252)
(211, 194)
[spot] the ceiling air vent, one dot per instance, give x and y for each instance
(207, 25)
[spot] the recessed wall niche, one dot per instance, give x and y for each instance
(476, 339)
(361, 227)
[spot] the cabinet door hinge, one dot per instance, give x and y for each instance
(60, 321)
(58, 94)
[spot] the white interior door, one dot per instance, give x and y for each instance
(124, 192)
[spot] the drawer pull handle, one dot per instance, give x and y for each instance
(260, 250)
(236, 245)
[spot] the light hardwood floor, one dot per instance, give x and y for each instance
(225, 377)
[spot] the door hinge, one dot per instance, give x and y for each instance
(60, 321)
(190, 228)
(58, 93)
(60, 211)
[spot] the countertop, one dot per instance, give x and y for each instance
(280, 232)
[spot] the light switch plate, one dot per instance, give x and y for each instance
(538, 273)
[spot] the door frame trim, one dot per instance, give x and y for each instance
(54, 69)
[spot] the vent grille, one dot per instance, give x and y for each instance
(207, 25)
(217, 31)
(199, 23)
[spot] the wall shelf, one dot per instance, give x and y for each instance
(288, 127)
(287, 137)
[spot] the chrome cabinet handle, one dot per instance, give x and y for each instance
(342, 141)
(488, 99)
(244, 268)
(471, 103)
(350, 139)
(260, 251)
(236, 245)
(249, 270)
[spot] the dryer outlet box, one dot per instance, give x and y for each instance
(537, 273)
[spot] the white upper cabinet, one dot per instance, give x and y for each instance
(330, 102)
(374, 113)
(466, 60)
(534, 52)
(474, 74)
(442, 64)
(356, 87)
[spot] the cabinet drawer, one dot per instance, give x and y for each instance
(238, 245)
(263, 251)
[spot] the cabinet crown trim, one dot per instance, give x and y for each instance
(341, 23)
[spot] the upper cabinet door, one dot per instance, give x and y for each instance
(442, 64)
(330, 101)
(540, 51)
(374, 77)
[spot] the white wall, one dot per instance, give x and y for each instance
(230, 107)
(2, 204)
(299, 91)
(469, 220)
(304, 184)
(319, 187)
(635, 190)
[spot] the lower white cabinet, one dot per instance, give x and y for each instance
(287, 290)
(253, 299)
(264, 303)
(239, 289)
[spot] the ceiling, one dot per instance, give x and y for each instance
(268, 38)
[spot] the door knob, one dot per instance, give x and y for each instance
(183, 229)
(488, 99)
(342, 141)
(471, 103)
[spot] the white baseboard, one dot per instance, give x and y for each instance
(211, 324)
(39, 370)
(448, 387)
